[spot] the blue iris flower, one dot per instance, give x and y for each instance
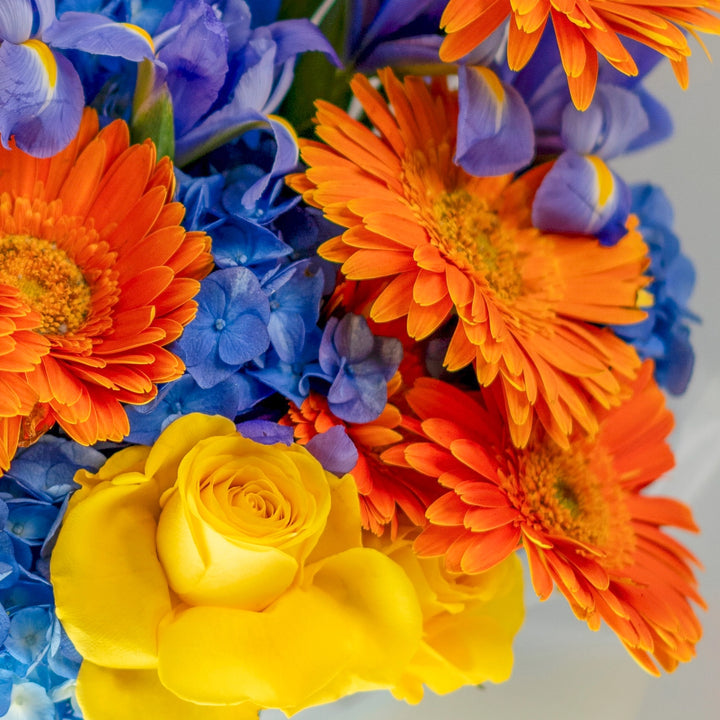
(41, 95)
(494, 132)
(236, 72)
(665, 334)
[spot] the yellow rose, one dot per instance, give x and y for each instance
(469, 622)
(210, 576)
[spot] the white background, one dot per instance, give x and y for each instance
(563, 671)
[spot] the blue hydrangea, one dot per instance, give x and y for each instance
(230, 328)
(228, 398)
(38, 664)
(665, 335)
(357, 366)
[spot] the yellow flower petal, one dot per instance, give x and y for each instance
(110, 694)
(208, 569)
(343, 527)
(110, 590)
(469, 622)
(131, 459)
(354, 625)
(178, 439)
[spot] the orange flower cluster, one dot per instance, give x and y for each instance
(553, 452)
(449, 246)
(580, 514)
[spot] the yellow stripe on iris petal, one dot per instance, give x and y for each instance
(606, 183)
(286, 125)
(46, 58)
(143, 33)
(497, 92)
(493, 83)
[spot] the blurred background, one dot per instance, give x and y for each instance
(563, 671)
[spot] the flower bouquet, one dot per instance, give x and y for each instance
(315, 319)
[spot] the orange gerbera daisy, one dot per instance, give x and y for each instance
(382, 489)
(584, 29)
(96, 277)
(579, 513)
(450, 245)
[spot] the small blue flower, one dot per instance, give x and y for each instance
(291, 380)
(228, 398)
(230, 328)
(334, 450)
(46, 468)
(358, 366)
(29, 635)
(294, 292)
(266, 432)
(30, 701)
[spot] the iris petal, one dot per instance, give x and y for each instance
(293, 37)
(41, 98)
(46, 12)
(16, 17)
(98, 35)
(495, 130)
(580, 194)
(615, 119)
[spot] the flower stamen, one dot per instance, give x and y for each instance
(48, 280)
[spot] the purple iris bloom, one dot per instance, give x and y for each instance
(494, 134)
(581, 194)
(226, 75)
(394, 32)
(41, 96)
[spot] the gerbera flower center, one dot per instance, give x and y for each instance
(468, 229)
(48, 280)
(571, 493)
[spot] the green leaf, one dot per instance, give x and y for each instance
(152, 113)
(290, 9)
(315, 76)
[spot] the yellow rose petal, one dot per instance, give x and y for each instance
(471, 642)
(343, 527)
(110, 589)
(131, 459)
(218, 477)
(178, 439)
(205, 568)
(353, 626)
(110, 694)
